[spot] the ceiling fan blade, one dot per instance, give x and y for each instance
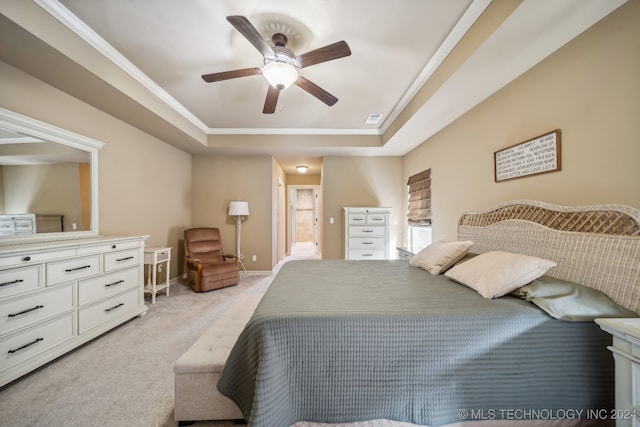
(272, 100)
(247, 29)
(333, 51)
(226, 75)
(316, 91)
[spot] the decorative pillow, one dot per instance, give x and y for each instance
(494, 274)
(570, 301)
(439, 256)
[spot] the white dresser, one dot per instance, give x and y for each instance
(57, 295)
(626, 353)
(366, 233)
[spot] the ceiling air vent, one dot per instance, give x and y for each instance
(373, 119)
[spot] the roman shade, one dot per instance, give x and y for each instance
(419, 207)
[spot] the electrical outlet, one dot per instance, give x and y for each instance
(254, 258)
(160, 268)
(240, 256)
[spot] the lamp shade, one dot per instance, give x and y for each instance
(239, 208)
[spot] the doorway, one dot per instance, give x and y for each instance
(303, 214)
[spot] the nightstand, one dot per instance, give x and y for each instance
(152, 258)
(626, 353)
(404, 253)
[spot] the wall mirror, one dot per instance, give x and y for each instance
(48, 181)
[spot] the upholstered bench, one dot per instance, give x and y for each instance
(197, 371)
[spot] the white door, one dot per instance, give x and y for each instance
(316, 211)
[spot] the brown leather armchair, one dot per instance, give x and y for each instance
(208, 267)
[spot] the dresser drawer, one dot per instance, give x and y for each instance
(376, 219)
(22, 311)
(159, 256)
(7, 227)
(366, 243)
(108, 247)
(72, 269)
(98, 313)
(367, 254)
(21, 279)
(121, 259)
(35, 257)
(357, 231)
(30, 342)
(358, 219)
(106, 285)
(24, 226)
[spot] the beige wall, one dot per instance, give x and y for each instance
(217, 180)
(303, 179)
(360, 181)
(589, 89)
(144, 183)
(45, 189)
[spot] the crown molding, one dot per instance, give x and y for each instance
(291, 131)
(71, 21)
(470, 16)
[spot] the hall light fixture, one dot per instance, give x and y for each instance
(302, 169)
(280, 74)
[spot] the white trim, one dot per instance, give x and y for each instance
(35, 128)
(64, 15)
(291, 131)
(470, 16)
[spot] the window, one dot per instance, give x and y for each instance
(419, 210)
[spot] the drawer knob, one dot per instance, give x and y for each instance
(113, 246)
(37, 307)
(25, 346)
(27, 258)
(12, 282)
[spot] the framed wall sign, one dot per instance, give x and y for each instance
(532, 157)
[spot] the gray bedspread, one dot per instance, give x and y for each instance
(342, 341)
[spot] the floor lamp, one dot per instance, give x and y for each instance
(239, 209)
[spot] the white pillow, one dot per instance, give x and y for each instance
(440, 255)
(494, 274)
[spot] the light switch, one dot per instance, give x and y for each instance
(331, 220)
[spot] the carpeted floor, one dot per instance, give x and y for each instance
(125, 377)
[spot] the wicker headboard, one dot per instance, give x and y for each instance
(596, 246)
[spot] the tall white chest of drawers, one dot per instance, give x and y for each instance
(366, 233)
(55, 296)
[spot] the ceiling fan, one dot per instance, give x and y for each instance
(281, 65)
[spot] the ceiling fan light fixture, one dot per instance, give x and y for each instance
(280, 74)
(302, 169)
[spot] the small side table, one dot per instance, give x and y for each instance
(404, 253)
(152, 258)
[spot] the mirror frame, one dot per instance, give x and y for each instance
(32, 127)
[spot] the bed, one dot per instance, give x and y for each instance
(338, 341)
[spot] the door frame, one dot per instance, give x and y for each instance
(291, 207)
